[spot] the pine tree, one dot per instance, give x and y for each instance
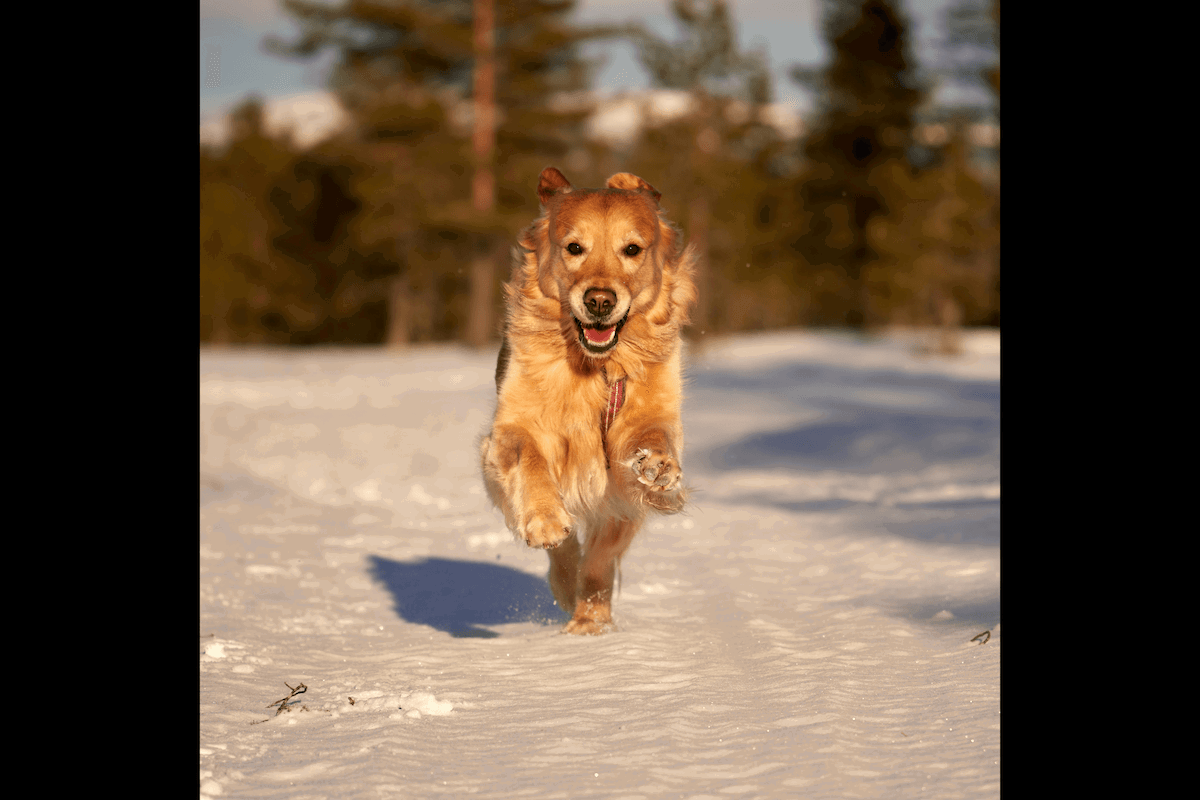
(241, 278)
(938, 251)
(868, 100)
(407, 72)
(939, 246)
(704, 162)
(707, 58)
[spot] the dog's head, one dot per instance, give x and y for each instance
(602, 254)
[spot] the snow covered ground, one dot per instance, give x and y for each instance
(806, 630)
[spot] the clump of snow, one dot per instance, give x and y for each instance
(416, 704)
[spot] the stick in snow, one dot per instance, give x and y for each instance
(299, 689)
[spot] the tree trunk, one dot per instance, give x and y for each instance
(950, 321)
(698, 213)
(483, 185)
(220, 337)
(400, 317)
(481, 312)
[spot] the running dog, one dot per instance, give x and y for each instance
(587, 438)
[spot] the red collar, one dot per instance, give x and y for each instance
(616, 399)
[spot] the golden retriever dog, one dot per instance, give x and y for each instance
(587, 437)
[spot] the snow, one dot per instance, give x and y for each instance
(308, 117)
(804, 629)
(313, 117)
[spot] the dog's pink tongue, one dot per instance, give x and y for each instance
(597, 335)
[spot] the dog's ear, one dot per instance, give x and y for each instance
(631, 182)
(551, 181)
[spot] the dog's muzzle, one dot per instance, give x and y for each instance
(597, 338)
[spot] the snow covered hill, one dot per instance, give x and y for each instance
(312, 117)
(805, 630)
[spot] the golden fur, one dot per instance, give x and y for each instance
(599, 291)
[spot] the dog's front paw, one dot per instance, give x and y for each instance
(546, 529)
(659, 478)
(656, 471)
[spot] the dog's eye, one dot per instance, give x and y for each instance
(632, 250)
(574, 249)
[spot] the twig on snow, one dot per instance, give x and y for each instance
(299, 689)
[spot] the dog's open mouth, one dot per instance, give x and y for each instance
(597, 338)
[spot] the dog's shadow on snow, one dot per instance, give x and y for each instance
(461, 597)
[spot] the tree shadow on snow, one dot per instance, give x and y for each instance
(865, 422)
(871, 422)
(970, 522)
(460, 597)
(872, 441)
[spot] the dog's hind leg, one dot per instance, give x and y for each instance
(593, 595)
(564, 572)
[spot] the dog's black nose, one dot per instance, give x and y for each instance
(599, 302)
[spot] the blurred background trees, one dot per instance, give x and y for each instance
(867, 107)
(398, 228)
(698, 160)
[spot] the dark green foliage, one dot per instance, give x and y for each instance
(375, 228)
(868, 117)
(707, 58)
(871, 240)
(371, 236)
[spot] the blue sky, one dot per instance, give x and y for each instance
(788, 28)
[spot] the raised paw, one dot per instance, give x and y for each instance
(546, 529)
(660, 480)
(656, 471)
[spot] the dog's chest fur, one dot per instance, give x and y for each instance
(564, 415)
